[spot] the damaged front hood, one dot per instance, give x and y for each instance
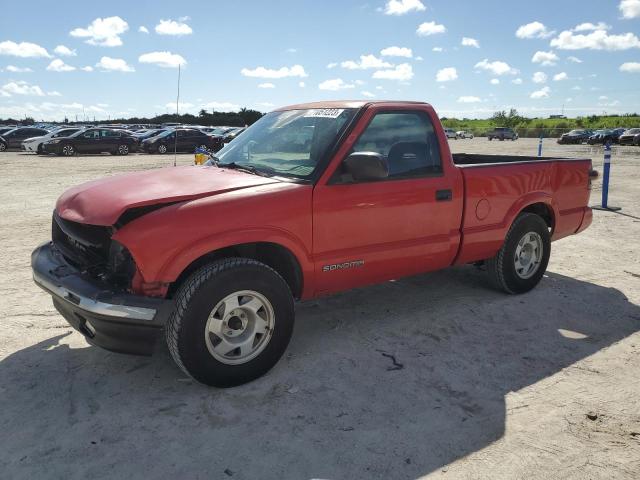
(102, 202)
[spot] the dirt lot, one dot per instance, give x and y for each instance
(538, 386)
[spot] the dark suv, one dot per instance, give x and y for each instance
(93, 140)
(502, 133)
(14, 138)
(188, 139)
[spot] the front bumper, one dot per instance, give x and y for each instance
(626, 141)
(115, 321)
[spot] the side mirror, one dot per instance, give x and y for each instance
(366, 166)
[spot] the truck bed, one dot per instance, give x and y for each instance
(473, 159)
(497, 187)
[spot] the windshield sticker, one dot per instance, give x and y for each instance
(324, 112)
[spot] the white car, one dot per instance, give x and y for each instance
(34, 144)
(450, 133)
(464, 134)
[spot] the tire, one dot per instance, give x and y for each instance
(123, 149)
(39, 150)
(201, 306)
(490, 138)
(503, 268)
(68, 151)
(162, 149)
(3, 146)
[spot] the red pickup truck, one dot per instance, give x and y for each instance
(312, 199)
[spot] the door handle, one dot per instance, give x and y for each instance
(444, 195)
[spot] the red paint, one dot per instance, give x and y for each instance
(396, 227)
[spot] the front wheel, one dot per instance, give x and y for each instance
(68, 151)
(3, 146)
(232, 323)
(123, 149)
(162, 149)
(521, 262)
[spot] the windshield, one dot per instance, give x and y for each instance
(288, 143)
(633, 131)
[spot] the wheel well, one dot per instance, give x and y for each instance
(276, 256)
(543, 210)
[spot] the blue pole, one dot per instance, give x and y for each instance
(605, 178)
(540, 146)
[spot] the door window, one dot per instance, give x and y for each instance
(406, 140)
(91, 134)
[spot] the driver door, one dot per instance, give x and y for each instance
(370, 231)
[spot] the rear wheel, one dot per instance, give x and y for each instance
(232, 323)
(162, 149)
(3, 146)
(123, 149)
(68, 150)
(521, 262)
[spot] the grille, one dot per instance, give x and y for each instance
(84, 246)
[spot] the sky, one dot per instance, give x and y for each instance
(468, 58)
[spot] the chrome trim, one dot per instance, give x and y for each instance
(94, 306)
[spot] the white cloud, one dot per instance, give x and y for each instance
(222, 106)
(365, 62)
(558, 77)
(603, 97)
(468, 99)
(292, 50)
(103, 32)
(23, 49)
(64, 51)
(397, 52)
(419, 58)
(172, 27)
(301, 84)
(576, 87)
(335, 84)
(469, 42)
(266, 85)
(54, 93)
(367, 94)
(495, 81)
(517, 81)
(182, 106)
(143, 29)
(430, 28)
(163, 59)
(332, 65)
(262, 72)
(114, 65)
(596, 40)
(14, 69)
(542, 93)
(539, 77)
(497, 67)
(88, 68)
(588, 26)
(437, 49)
(533, 30)
(546, 59)
(58, 65)
(402, 7)
(402, 72)
(21, 88)
(446, 74)
(630, 8)
(574, 59)
(630, 67)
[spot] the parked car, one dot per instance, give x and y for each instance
(188, 139)
(604, 136)
(502, 133)
(450, 133)
(233, 133)
(13, 138)
(92, 140)
(214, 256)
(464, 134)
(34, 144)
(630, 137)
(577, 136)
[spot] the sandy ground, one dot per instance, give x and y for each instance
(538, 386)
